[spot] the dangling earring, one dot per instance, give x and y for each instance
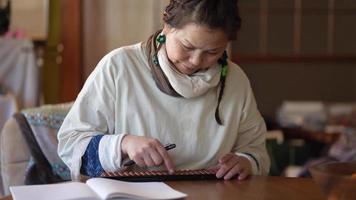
(223, 62)
(161, 39)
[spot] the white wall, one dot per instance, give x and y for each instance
(109, 24)
(131, 21)
(30, 16)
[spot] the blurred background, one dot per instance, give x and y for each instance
(300, 56)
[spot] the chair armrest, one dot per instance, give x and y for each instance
(14, 155)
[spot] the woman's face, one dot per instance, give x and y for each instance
(194, 47)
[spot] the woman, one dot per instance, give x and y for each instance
(178, 87)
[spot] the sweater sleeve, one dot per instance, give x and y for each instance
(251, 140)
(92, 114)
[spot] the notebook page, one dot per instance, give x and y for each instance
(109, 188)
(60, 191)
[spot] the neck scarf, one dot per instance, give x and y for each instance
(170, 81)
(174, 83)
(188, 86)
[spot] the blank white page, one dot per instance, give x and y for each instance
(109, 188)
(60, 191)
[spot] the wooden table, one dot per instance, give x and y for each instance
(257, 187)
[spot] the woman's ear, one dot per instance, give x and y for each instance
(166, 29)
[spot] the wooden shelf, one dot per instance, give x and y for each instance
(292, 58)
(318, 136)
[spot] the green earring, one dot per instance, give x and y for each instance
(224, 71)
(223, 62)
(161, 39)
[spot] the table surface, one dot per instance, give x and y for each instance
(256, 187)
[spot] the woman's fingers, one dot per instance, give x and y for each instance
(232, 165)
(243, 175)
(156, 157)
(139, 160)
(233, 172)
(146, 152)
(148, 160)
(226, 166)
(225, 158)
(166, 159)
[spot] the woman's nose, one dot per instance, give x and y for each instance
(195, 59)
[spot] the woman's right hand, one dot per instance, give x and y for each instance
(146, 152)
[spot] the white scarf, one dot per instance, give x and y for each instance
(188, 86)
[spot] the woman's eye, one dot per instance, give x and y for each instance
(212, 52)
(187, 47)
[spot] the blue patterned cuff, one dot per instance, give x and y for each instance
(91, 165)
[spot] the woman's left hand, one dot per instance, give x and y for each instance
(231, 165)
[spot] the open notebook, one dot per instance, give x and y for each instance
(96, 189)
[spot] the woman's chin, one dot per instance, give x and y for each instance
(186, 70)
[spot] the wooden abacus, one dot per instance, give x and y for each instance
(145, 176)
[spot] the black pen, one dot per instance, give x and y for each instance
(167, 147)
